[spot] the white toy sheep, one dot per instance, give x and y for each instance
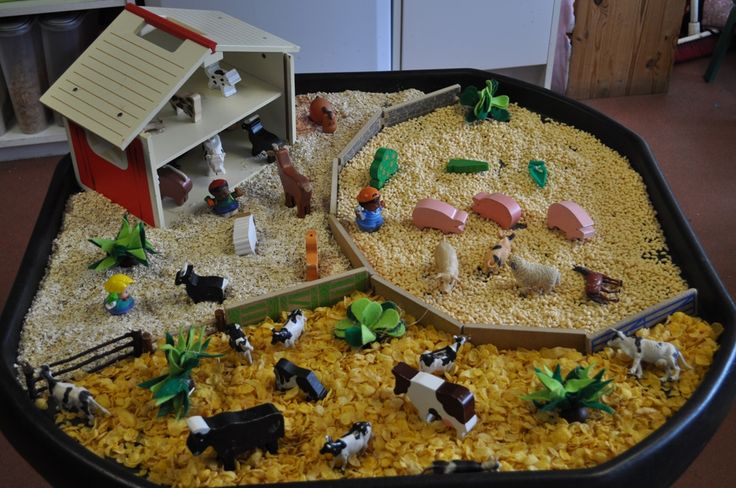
(662, 354)
(533, 276)
(447, 266)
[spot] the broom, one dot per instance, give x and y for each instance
(696, 44)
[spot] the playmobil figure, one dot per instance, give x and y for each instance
(201, 288)
(462, 466)
(368, 212)
(239, 341)
(499, 208)
(224, 80)
(534, 276)
(439, 215)
(174, 183)
(233, 433)
(71, 397)
(322, 113)
(289, 375)
(599, 287)
(297, 187)
(446, 265)
(497, 256)
(663, 354)
(224, 202)
(354, 442)
(214, 155)
(442, 359)
(292, 329)
(570, 218)
(436, 398)
(260, 139)
(118, 301)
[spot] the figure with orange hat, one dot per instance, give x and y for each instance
(368, 212)
(224, 202)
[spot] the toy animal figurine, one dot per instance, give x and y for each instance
(289, 375)
(368, 216)
(239, 341)
(260, 139)
(570, 218)
(224, 202)
(71, 397)
(441, 359)
(187, 104)
(461, 466)
(497, 256)
(201, 288)
(214, 155)
(436, 398)
(174, 183)
(322, 113)
(439, 215)
(292, 329)
(233, 433)
(297, 187)
(446, 265)
(118, 301)
(354, 442)
(663, 354)
(224, 80)
(599, 287)
(499, 208)
(533, 276)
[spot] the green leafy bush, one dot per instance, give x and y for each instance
(129, 247)
(368, 321)
(485, 105)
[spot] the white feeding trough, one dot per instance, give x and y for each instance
(244, 235)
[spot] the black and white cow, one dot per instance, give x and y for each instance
(71, 397)
(232, 433)
(289, 375)
(354, 442)
(239, 341)
(291, 330)
(201, 288)
(463, 466)
(441, 359)
(261, 140)
(663, 354)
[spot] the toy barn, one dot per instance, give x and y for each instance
(142, 96)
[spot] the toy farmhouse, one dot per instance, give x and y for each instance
(150, 96)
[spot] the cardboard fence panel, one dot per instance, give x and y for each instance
(372, 127)
(335, 175)
(421, 106)
(686, 302)
(318, 293)
(419, 309)
(517, 336)
(355, 255)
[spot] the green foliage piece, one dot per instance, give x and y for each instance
(171, 390)
(485, 104)
(128, 248)
(466, 166)
(368, 321)
(385, 164)
(575, 391)
(538, 172)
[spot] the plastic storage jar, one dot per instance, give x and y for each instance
(64, 39)
(22, 64)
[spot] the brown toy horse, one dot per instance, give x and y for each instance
(297, 187)
(596, 285)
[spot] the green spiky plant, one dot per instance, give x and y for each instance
(130, 247)
(171, 390)
(484, 104)
(369, 321)
(573, 395)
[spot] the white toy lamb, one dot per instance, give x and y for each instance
(662, 354)
(533, 276)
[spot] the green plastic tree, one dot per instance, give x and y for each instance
(369, 321)
(572, 395)
(171, 390)
(129, 247)
(385, 164)
(485, 104)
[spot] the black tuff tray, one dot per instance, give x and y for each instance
(657, 461)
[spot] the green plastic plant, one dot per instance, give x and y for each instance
(129, 247)
(369, 321)
(485, 104)
(572, 395)
(171, 390)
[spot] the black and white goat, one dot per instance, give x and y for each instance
(441, 359)
(71, 397)
(663, 354)
(291, 330)
(354, 442)
(201, 288)
(239, 341)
